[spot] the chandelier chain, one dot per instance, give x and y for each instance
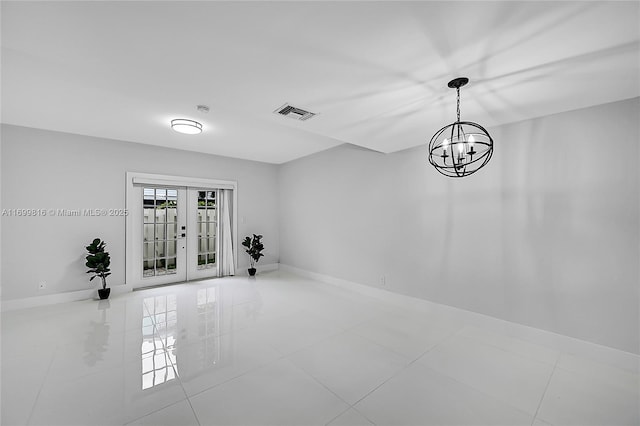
(458, 103)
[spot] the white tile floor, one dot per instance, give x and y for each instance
(284, 350)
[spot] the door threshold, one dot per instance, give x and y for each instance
(149, 287)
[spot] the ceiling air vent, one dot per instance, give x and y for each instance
(293, 112)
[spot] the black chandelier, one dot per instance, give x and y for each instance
(461, 148)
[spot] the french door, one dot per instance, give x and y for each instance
(162, 215)
(203, 219)
(173, 232)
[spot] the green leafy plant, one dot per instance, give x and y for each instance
(254, 248)
(98, 261)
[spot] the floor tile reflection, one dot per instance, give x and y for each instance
(280, 349)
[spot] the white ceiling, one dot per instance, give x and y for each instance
(375, 72)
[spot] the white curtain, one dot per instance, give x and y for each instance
(227, 265)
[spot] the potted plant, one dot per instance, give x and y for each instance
(254, 248)
(98, 262)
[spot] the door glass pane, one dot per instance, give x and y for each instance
(171, 248)
(160, 218)
(148, 214)
(171, 264)
(172, 229)
(148, 269)
(161, 215)
(172, 214)
(160, 251)
(148, 234)
(203, 246)
(148, 251)
(160, 234)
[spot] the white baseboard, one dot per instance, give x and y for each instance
(269, 267)
(74, 296)
(377, 293)
(559, 342)
(52, 299)
(242, 270)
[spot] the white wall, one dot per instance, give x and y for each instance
(545, 235)
(43, 169)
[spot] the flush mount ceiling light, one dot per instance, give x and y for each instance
(461, 148)
(183, 125)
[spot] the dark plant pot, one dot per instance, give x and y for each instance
(104, 293)
(252, 272)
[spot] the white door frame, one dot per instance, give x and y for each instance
(133, 265)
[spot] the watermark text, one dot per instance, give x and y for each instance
(88, 212)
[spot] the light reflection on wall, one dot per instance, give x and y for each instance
(159, 363)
